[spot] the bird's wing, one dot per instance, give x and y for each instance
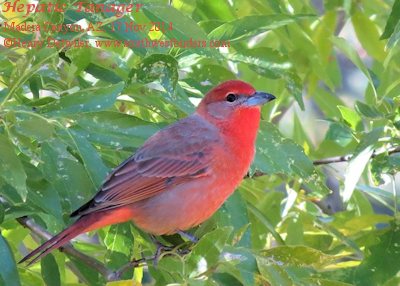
(173, 155)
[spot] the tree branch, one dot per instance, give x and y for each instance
(108, 274)
(68, 248)
(338, 159)
(347, 158)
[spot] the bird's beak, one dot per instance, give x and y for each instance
(259, 98)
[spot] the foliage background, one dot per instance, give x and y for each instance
(67, 117)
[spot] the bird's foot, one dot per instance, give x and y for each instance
(162, 250)
(189, 236)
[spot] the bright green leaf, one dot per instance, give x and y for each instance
(276, 154)
(249, 26)
(350, 116)
(353, 56)
(368, 35)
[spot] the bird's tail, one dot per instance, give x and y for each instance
(83, 224)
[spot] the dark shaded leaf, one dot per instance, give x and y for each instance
(114, 129)
(11, 169)
(92, 99)
(8, 267)
(381, 263)
(339, 133)
(49, 270)
(367, 110)
(393, 21)
(92, 162)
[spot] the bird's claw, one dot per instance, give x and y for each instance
(162, 250)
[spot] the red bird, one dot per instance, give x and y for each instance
(182, 174)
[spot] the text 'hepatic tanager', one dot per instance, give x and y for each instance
(182, 174)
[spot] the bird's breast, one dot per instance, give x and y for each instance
(188, 204)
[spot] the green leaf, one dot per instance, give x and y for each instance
(385, 164)
(237, 211)
(35, 127)
(266, 61)
(246, 27)
(91, 99)
(87, 274)
(339, 236)
(270, 63)
(163, 69)
(350, 116)
(66, 175)
(367, 110)
(240, 263)
(395, 36)
(11, 169)
(119, 241)
(339, 133)
(123, 283)
(8, 267)
(266, 222)
(299, 256)
(323, 282)
(92, 162)
(275, 274)
(382, 262)
(358, 162)
(50, 271)
(184, 28)
(368, 35)
(271, 146)
(299, 134)
(209, 247)
(125, 34)
(114, 129)
(276, 154)
(378, 194)
(324, 30)
(41, 193)
(353, 56)
(327, 102)
(393, 21)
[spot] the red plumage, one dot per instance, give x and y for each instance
(182, 174)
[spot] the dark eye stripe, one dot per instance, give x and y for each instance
(231, 97)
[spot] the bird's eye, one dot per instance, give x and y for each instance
(231, 97)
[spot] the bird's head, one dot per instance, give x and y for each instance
(233, 99)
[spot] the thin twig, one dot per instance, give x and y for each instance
(346, 158)
(132, 264)
(108, 274)
(337, 159)
(143, 261)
